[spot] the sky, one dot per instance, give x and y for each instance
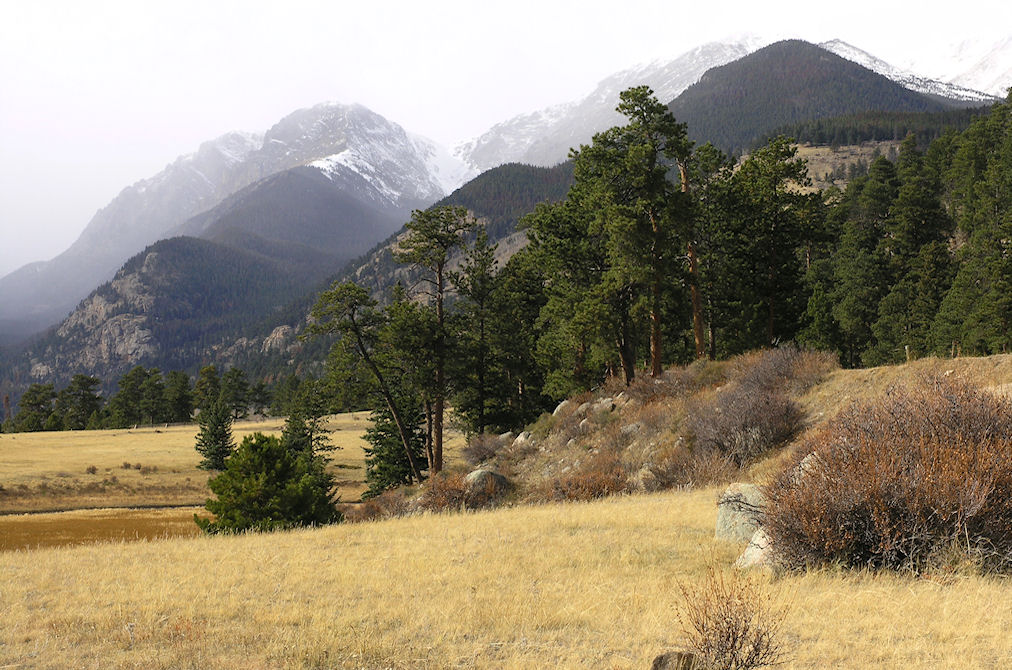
(97, 95)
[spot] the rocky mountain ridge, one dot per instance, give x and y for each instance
(404, 170)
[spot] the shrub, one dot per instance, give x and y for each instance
(444, 491)
(388, 504)
(92, 470)
(753, 415)
(677, 467)
(743, 423)
(900, 482)
(598, 476)
(481, 448)
(730, 621)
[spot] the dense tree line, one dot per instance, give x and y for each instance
(663, 252)
(878, 126)
(145, 396)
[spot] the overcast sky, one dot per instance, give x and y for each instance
(96, 95)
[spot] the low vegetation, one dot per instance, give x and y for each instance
(915, 480)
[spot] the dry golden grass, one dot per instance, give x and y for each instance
(48, 472)
(566, 586)
(843, 387)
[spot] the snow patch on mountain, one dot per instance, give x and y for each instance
(988, 69)
(905, 78)
(545, 137)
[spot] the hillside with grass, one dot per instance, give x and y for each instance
(617, 489)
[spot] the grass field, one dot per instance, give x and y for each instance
(569, 586)
(48, 475)
(574, 585)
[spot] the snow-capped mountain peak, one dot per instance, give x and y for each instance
(906, 78)
(544, 137)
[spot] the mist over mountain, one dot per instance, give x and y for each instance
(397, 170)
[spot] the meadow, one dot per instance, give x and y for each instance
(573, 585)
(73, 487)
(562, 585)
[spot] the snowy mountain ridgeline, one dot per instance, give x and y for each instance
(347, 143)
(544, 137)
(907, 79)
(984, 67)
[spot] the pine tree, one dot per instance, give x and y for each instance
(432, 235)
(214, 441)
(265, 486)
(386, 462)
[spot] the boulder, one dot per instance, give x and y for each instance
(562, 407)
(676, 660)
(603, 405)
(583, 408)
(739, 512)
(522, 440)
(631, 428)
(758, 553)
(484, 487)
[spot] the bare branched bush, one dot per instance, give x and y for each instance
(390, 503)
(899, 482)
(731, 622)
(680, 467)
(743, 423)
(481, 448)
(444, 492)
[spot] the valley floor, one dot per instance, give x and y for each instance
(569, 586)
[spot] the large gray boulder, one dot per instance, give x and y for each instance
(739, 512)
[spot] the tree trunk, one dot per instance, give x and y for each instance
(440, 394)
(697, 302)
(391, 405)
(428, 432)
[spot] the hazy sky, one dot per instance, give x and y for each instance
(96, 95)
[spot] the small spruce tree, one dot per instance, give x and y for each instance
(214, 441)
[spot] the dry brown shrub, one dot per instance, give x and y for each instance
(388, 504)
(679, 467)
(731, 621)
(898, 482)
(443, 492)
(597, 476)
(92, 470)
(481, 448)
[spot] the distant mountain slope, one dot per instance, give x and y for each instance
(544, 137)
(499, 197)
(264, 247)
(166, 305)
(908, 79)
(781, 84)
(980, 65)
(340, 216)
(401, 169)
